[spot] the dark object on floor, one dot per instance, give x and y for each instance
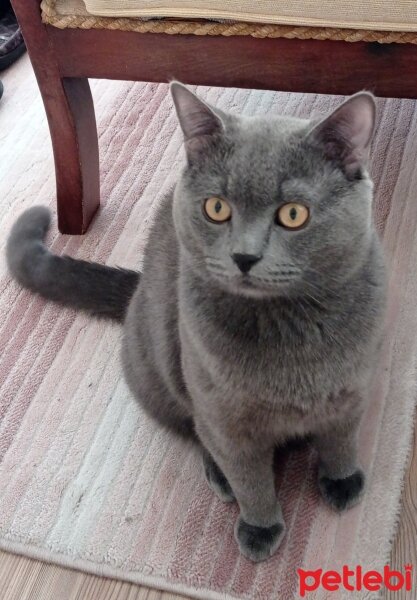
(1, 89)
(11, 40)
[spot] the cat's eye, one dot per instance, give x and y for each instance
(217, 210)
(293, 215)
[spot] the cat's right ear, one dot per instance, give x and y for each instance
(198, 122)
(345, 135)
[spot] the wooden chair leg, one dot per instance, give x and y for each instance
(74, 139)
(70, 111)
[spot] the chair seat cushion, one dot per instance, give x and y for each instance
(389, 15)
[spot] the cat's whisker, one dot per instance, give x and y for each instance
(315, 300)
(216, 268)
(285, 273)
(219, 274)
(289, 267)
(327, 291)
(308, 317)
(327, 275)
(212, 261)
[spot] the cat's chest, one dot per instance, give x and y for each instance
(280, 352)
(253, 340)
(266, 358)
(277, 385)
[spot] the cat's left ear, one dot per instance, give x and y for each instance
(198, 122)
(346, 134)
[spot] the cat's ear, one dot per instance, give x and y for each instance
(198, 121)
(345, 135)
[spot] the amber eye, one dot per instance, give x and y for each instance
(217, 210)
(293, 215)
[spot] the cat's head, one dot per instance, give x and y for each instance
(274, 205)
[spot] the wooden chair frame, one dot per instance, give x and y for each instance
(64, 59)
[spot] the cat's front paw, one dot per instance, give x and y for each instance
(342, 493)
(258, 543)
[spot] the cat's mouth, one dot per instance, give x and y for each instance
(253, 281)
(246, 284)
(271, 286)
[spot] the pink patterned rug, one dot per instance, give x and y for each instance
(86, 480)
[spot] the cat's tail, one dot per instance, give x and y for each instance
(100, 290)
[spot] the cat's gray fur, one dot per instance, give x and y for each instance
(244, 362)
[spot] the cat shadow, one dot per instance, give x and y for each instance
(301, 446)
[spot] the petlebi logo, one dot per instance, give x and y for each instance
(354, 579)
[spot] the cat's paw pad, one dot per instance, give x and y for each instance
(343, 493)
(217, 481)
(258, 543)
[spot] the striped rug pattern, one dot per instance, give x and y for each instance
(86, 480)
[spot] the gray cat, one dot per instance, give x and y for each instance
(259, 312)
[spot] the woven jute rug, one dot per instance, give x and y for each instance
(86, 480)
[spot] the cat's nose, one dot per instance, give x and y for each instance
(245, 261)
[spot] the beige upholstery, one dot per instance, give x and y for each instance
(388, 15)
(69, 7)
(64, 14)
